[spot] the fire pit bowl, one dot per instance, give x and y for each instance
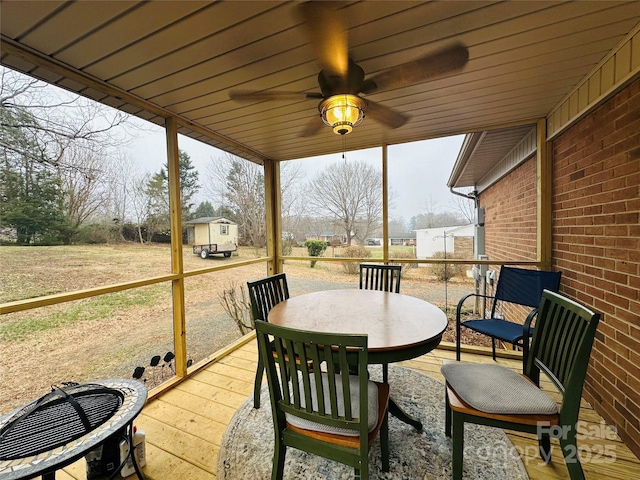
(63, 425)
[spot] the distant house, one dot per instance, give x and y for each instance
(395, 238)
(405, 239)
(327, 236)
(452, 239)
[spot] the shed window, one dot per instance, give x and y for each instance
(224, 229)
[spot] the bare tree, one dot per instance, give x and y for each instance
(125, 189)
(140, 202)
(61, 120)
(397, 227)
(70, 139)
(85, 191)
(238, 185)
(351, 193)
(465, 206)
(292, 197)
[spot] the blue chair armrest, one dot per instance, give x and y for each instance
(458, 313)
(463, 299)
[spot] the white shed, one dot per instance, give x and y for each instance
(209, 235)
(431, 240)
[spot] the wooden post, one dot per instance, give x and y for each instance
(544, 200)
(175, 215)
(385, 204)
(274, 215)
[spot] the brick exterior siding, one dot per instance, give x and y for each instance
(510, 218)
(510, 226)
(463, 246)
(596, 245)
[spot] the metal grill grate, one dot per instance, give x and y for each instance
(58, 418)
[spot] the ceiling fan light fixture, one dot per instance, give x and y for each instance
(342, 112)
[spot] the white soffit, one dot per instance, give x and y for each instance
(488, 155)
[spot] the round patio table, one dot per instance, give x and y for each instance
(54, 421)
(399, 327)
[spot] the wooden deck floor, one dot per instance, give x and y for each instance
(185, 425)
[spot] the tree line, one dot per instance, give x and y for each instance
(64, 179)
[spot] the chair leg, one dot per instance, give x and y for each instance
(525, 353)
(384, 442)
(364, 467)
(572, 457)
(447, 414)
(258, 384)
(279, 451)
(544, 445)
(458, 446)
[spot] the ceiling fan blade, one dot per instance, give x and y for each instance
(385, 115)
(447, 60)
(327, 34)
(264, 95)
(313, 127)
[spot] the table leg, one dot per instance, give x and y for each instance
(49, 476)
(394, 408)
(396, 411)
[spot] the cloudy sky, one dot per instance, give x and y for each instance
(418, 171)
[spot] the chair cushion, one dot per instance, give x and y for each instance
(497, 327)
(372, 391)
(493, 388)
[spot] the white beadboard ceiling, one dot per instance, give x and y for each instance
(161, 58)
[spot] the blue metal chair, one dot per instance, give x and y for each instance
(517, 286)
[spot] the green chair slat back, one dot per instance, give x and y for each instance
(560, 348)
(311, 369)
(264, 294)
(380, 277)
(384, 278)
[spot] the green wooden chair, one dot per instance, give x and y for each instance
(316, 408)
(490, 394)
(374, 276)
(264, 294)
(386, 278)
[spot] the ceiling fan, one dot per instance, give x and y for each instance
(342, 81)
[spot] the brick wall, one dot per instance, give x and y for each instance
(463, 247)
(596, 245)
(511, 225)
(510, 215)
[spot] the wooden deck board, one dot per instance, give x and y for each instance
(198, 425)
(185, 425)
(181, 443)
(208, 408)
(235, 385)
(213, 392)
